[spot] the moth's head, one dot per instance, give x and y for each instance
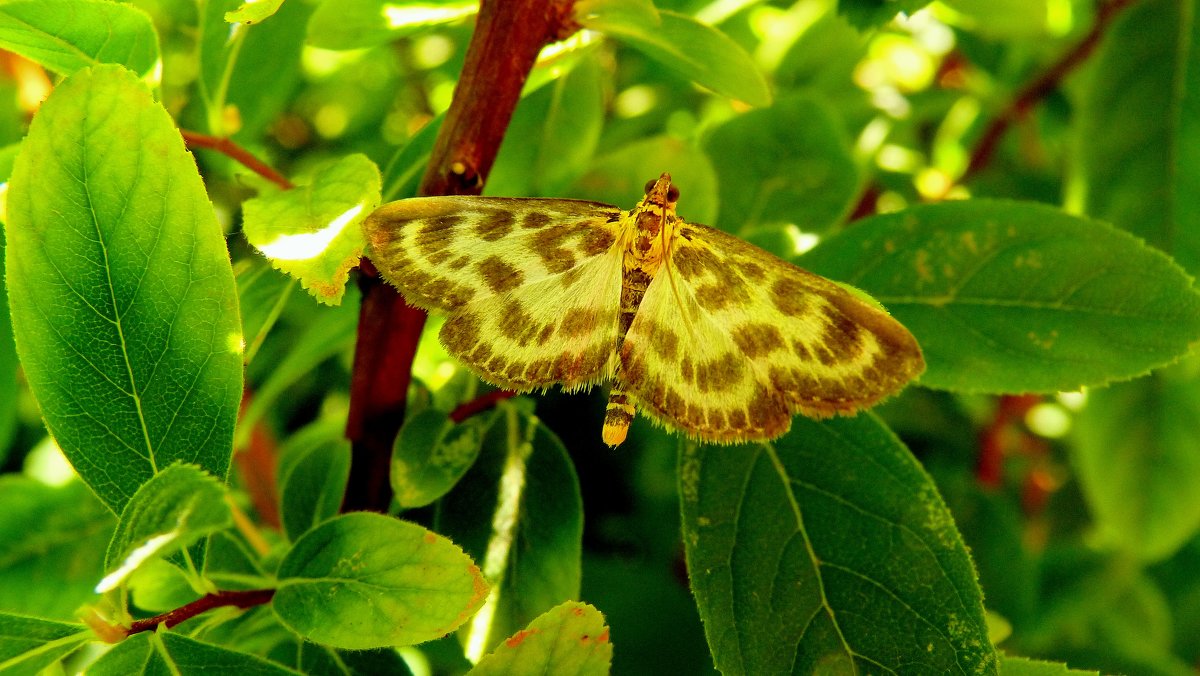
(661, 193)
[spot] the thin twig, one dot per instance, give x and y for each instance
(508, 36)
(235, 152)
(1036, 90)
(237, 599)
(480, 404)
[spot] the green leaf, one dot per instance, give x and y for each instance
(122, 296)
(432, 453)
(619, 178)
(332, 331)
(531, 540)
(218, 48)
(262, 294)
(28, 645)
(570, 638)
(1137, 146)
(356, 24)
(364, 580)
(793, 166)
(828, 551)
(864, 14)
(1006, 297)
(52, 542)
(1137, 461)
(312, 232)
(598, 15)
(264, 78)
(1023, 666)
(698, 52)
(317, 660)
(553, 135)
(311, 491)
(170, 653)
(67, 35)
(177, 507)
(9, 384)
(253, 11)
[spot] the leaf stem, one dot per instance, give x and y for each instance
(238, 599)
(480, 404)
(508, 36)
(237, 153)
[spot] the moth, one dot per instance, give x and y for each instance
(694, 327)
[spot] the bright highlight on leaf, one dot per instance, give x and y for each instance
(696, 328)
(306, 245)
(401, 16)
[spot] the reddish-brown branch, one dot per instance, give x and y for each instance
(238, 599)
(480, 404)
(237, 153)
(508, 36)
(995, 438)
(1033, 92)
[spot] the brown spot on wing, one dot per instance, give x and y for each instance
(757, 339)
(535, 219)
(597, 240)
(494, 224)
(790, 296)
(665, 342)
(548, 243)
(842, 336)
(460, 334)
(499, 275)
(578, 321)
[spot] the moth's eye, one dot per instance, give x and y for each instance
(672, 194)
(649, 186)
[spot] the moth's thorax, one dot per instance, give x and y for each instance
(654, 226)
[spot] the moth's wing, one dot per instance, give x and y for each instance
(559, 329)
(444, 252)
(730, 341)
(531, 287)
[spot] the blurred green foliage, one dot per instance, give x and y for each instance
(843, 545)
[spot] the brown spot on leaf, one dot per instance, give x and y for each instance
(519, 637)
(499, 275)
(757, 339)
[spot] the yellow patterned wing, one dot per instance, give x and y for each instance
(729, 342)
(531, 287)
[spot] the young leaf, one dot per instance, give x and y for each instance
(794, 166)
(28, 645)
(175, 508)
(1006, 297)
(253, 11)
(170, 653)
(312, 232)
(530, 542)
(357, 24)
(67, 35)
(828, 550)
(570, 638)
(65, 525)
(364, 580)
(698, 52)
(122, 296)
(432, 453)
(312, 489)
